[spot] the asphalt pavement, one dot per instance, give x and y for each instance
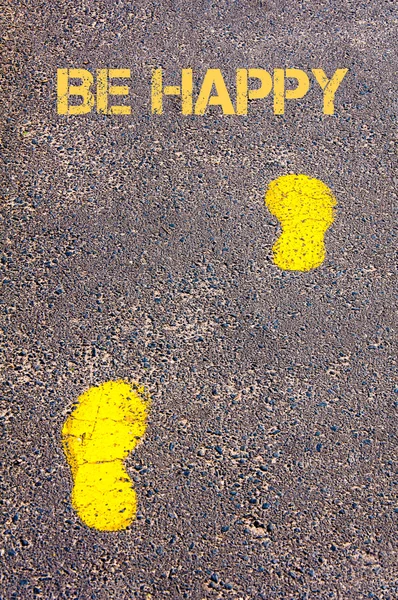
(139, 247)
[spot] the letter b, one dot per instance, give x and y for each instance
(64, 90)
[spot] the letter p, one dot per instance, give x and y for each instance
(280, 93)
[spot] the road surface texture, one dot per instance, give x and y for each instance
(140, 247)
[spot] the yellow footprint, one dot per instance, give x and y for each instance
(99, 434)
(304, 208)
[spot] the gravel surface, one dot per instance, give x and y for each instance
(139, 247)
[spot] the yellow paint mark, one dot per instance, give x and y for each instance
(304, 207)
(105, 426)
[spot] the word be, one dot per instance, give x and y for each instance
(213, 90)
(104, 89)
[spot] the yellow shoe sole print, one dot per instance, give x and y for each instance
(304, 208)
(103, 429)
